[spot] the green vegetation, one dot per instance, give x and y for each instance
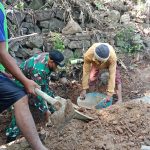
(99, 5)
(20, 5)
(128, 41)
(58, 42)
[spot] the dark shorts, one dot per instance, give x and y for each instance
(9, 92)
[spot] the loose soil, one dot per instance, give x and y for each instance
(119, 127)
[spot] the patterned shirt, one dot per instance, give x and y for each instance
(36, 68)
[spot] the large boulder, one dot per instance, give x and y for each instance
(43, 15)
(36, 4)
(16, 17)
(31, 28)
(72, 27)
(79, 44)
(36, 42)
(125, 18)
(68, 54)
(79, 36)
(146, 41)
(53, 24)
(114, 16)
(23, 53)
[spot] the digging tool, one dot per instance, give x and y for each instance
(81, 116)
(65, 111)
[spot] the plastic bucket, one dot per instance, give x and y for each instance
(94, 99)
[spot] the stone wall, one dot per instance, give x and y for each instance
(79, 23)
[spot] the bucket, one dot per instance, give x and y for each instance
(94, 99)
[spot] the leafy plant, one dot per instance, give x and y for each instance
(99, 5)
(125, 39)
(58, 42)
(19, 5)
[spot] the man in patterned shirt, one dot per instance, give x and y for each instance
(39, 69)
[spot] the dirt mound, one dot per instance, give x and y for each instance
(123, 127)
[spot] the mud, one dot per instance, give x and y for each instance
(120, 127)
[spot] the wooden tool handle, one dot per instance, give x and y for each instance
(46, 97)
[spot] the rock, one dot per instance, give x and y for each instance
(99, 15)
(79, 36)
(146, 41)
(119, 6)
(78, 53)
(147, 142)
(44, 15)
(115, 122)
(22, 53)
(35, 51)
(92, 138)
(60, 14)
(24, 144)
(16, 17)
(31, 28)
(53, 24)
(144, 99)
(45, 30)
(114, 16)
(131, 144)
(36, 42)
(119, 129)
(71, 28)
(141, 137)
(79, 44)
(50, 2)
(66, 41)
(24, 31)
(68, 54)
(48, 46)
(44, 24)
(125, 18)
(36, 4)
(14, 47)
(30, 18)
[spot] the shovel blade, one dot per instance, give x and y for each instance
(61, 117)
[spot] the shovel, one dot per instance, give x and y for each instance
(65, 111)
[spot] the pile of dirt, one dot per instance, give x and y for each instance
(119, 127)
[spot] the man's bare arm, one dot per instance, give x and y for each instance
(11, 66)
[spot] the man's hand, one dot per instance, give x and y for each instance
(30, 86)
(83, 94)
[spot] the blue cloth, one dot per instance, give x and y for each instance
(9, 92)
(2, 32)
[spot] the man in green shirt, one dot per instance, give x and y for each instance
(39, 69)
(11, 94)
